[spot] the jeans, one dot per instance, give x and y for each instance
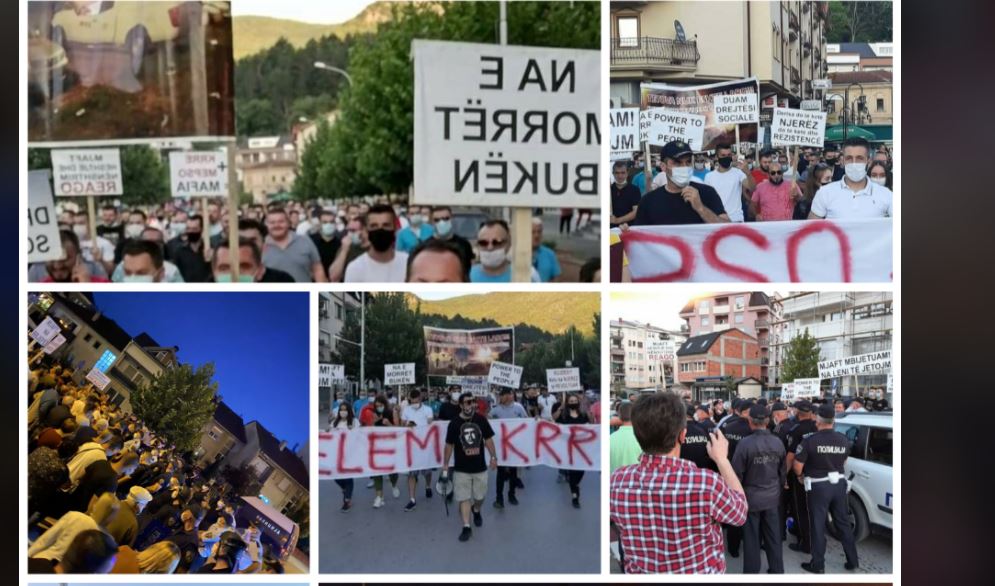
(507, 474)
(378, 482)
(346, 485)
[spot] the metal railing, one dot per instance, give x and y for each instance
(653, 51)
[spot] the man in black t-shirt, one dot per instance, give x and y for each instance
(679, 201)
(466, 438)
(327, 239)
(624, 196)
(449, 409)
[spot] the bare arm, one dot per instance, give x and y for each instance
(445, 458)
(336, 270)
(489, 442)
(318, 273)
(814, 216)
(625, 219)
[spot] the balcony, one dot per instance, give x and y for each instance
(618, 352)
(762, 324)
(654, 53)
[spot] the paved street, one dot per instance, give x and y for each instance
(543, 534)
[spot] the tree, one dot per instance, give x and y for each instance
(859, 22)
(255, 117)
(393, 335)
(801, 358)
(242, 480)
(145, 177)
(177, 403)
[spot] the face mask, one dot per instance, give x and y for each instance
(681, 176)
(179, 229)
(415, 405)
(339, 226)
(354, 238)
(216, 229)
(879, 180)
(415, 219)
(193, 237)
(328, 229)
(226, 278)
(381, 239)
(80, 230)
(379, 409)
(725, 161)
(343, 414)
(699, 166)
(640, 165)
(134, 231)
(573, 405)
(443, 227)
(830, 160)
(493, 258)
(855, 172)
(138, 279)
(454, 396)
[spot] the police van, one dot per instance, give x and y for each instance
(869, 468)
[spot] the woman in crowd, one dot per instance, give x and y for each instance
(878, 173)
(821, 175)
(571, 413)
(345, 419)
(380, 413)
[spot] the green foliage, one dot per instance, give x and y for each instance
(255, 117)
(859, 22)
(537, 358)
(145, 176)
(801, 358)
(39, 159)
(177, 403)
(242, 480)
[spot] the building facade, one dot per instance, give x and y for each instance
(332, 309)
(843, 324)
(222, 435)
(630, 366)
(711, 364)
(266, 166)
(281, 473)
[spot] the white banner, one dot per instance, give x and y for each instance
(788, 392)
(54, 344)
(329, 373)
(736, 109)
(98, 378)
(45, 331)
(807, 387)
(198, 173)
(561, 380)
(624, 126)
(44, 242)
(869, 363)
(399, 374)
(823, 251)
(658, 126)
(659, 350)
(373, 451)
(505, 375)
(798, 128)
(477, 385)
(506, 126)
(87, 172)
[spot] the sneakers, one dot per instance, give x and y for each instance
(576, 502)
(478, 520)
(465, 534)
(396, 492)
(512, 499)
(410, 506)
(378, 502)
(346, 505)
(499, 504)
(428, 493)
(369, 484)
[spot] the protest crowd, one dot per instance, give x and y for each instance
(108, 495)
(749, 476)
(362, 241)
(469, 435)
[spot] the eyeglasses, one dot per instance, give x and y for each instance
(496, 243)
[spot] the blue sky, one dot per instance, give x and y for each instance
(257, 341)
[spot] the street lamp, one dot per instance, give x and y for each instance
(847, 107)
(326, 67)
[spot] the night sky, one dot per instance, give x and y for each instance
(257, 341)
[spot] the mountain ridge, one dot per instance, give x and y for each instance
(554, 312)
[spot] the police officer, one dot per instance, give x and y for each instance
(819, 458)
(782, 426)
(693, 448)
(805, 416)
(704, 418)
(759, 463)
(735, 428)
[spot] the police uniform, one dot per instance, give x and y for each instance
(693, 448)
(798, 433)
(759, 464)
(735, 429)
(781, 431)
(822, 453)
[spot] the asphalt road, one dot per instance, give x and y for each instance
(543, 534)
(575, 249)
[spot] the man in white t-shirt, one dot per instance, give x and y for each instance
(381, 263)
(731, 181)
(417, 414)
(853, 196)
(546, 402)
(94, 250)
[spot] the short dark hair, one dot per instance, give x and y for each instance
(589, 268)
(242, 243)
(140, 247)
(618, 165)
(857, 141)
(381, 208)
(722, 146)
(253, 225)
(436, 245)
(326, 213)
(278, 210)
(414, 394)
(625, 411)
(496, 222)
(465, 396)
(69, 237)
(196, 218)
(108, 207)
(441, 208)
(657, 421)
(139, 212)
(88, 551)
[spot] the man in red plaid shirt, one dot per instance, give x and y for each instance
(668, 512)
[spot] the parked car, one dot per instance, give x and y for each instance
(869, 468)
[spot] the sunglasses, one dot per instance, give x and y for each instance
(776, 173)
(496, 243)
(469, 402)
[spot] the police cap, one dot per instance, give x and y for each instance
(803, 406)
(826, 411)
(758, 412)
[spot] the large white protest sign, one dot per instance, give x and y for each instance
(871, 362)
(560, 380)
(846, 251)
(98, 378)
(797, 128)
(505, 375)
(506, 126)
(198, 173)
(659, 350)
(477, 385)
(399, 374)
(624, 136)
(736, 109)
(372, 451)
(87, 172)
(807, 387)
(54, 344)
(45, 331)
(658, 126)
(329, 373)
(788, 392)
(44, 242)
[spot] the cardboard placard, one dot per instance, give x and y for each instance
(399, 374)
(44, 241)
(562, 380)
(505, 375)
(329, 373)
(82, 172)
(869, 363)
(198, 173)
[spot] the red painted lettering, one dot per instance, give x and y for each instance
(795, 241)
(711, 245)
(340, 464)
(506, 444)
(579, 436)
(411, 439)
(542, 438)
(375, 437)
(683, 273)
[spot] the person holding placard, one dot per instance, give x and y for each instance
(71, 268)
(494, 252)
(732, 181)
(677, 201)
(855, 196)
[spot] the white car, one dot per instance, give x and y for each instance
(869, 468)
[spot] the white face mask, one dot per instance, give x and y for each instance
(493, 258)
(80, 230)
(134, 231)
(855, 172)
(879, 180)
(681, 176)
(415, 219)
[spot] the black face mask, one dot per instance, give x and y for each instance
(193, 236)
(830, 160)
(725, 161)
(381, 240)
(777, 181)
